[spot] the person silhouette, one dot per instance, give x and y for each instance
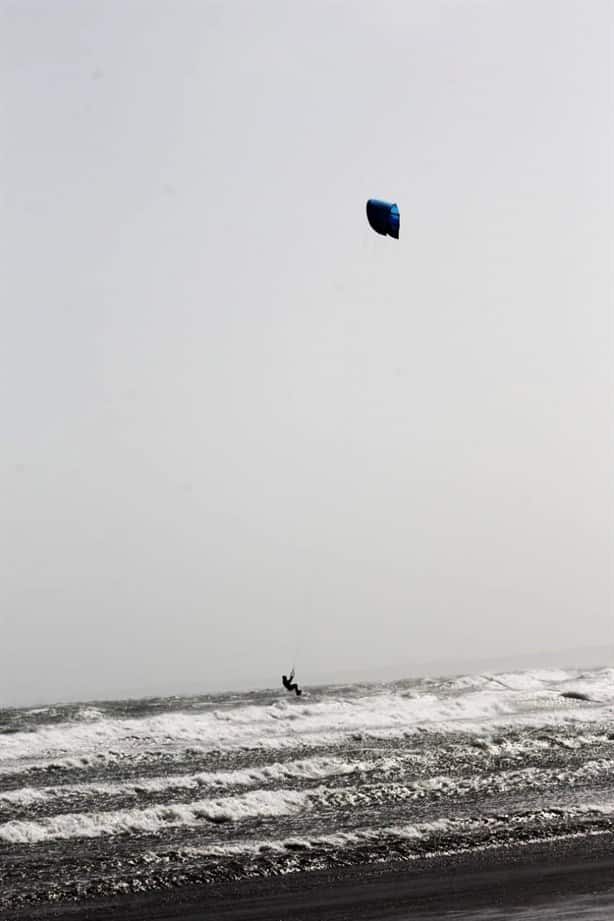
(291, 685)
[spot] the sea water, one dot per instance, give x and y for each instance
(142, 795)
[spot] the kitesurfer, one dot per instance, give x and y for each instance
(291, 685)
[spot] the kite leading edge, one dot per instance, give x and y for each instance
(384, 217)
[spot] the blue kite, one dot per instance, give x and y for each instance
(384, 217)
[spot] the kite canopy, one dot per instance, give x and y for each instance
(384, 217)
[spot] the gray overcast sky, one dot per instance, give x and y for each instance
(234, 420)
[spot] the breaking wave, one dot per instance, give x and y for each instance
(136, 795)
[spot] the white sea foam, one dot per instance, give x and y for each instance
(89, 714)
(413, 831)
(528, 699)
(26, 796)
(270, 803)
(258, 803)
(305, 769)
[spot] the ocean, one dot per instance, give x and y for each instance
(111, 798)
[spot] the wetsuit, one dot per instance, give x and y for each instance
(290, 685)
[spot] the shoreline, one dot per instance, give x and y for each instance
(539, 876)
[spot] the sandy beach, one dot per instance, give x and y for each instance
(571, 879)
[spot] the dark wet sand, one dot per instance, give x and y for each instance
(538, 877)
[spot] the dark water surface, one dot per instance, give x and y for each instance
(158, 796)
